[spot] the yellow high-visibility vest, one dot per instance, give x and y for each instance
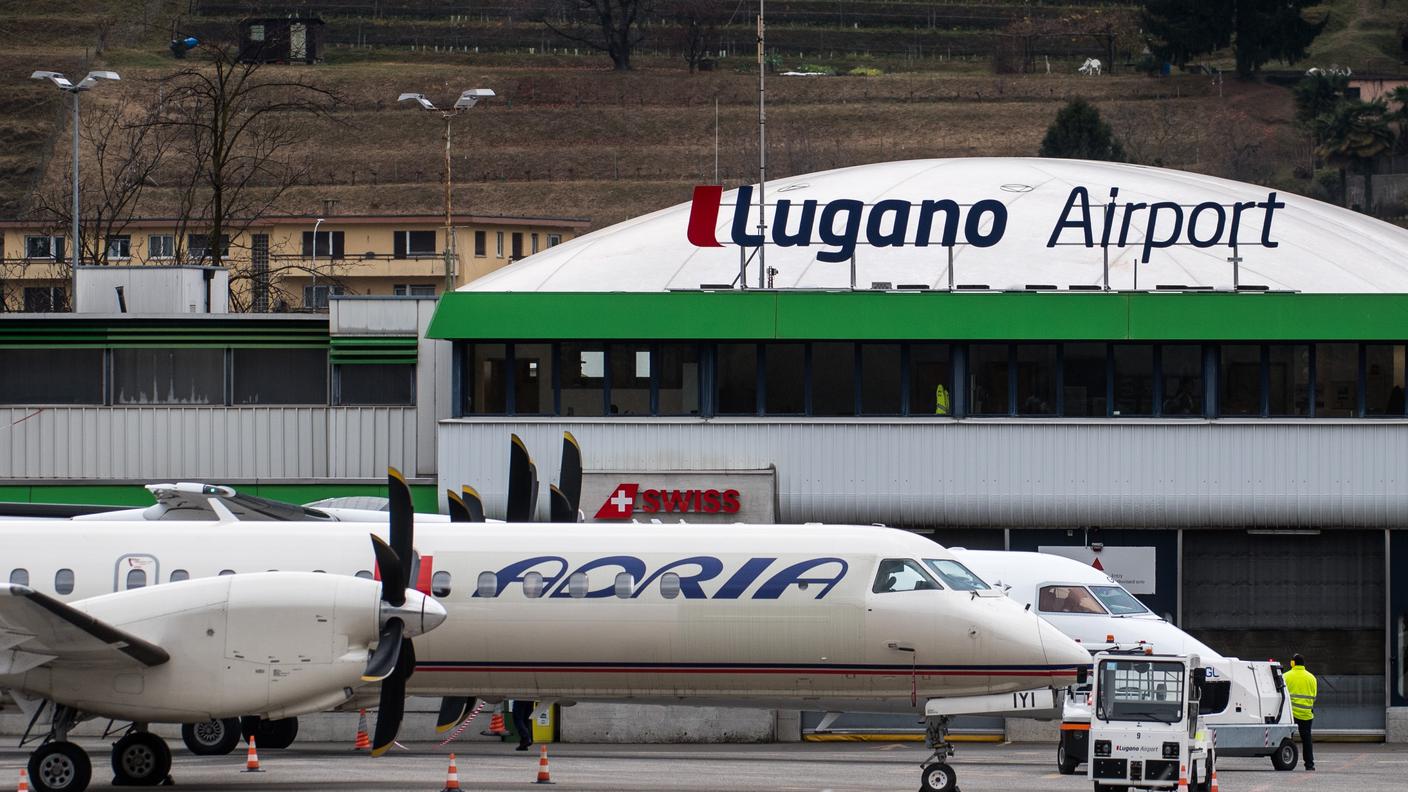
(1303, 688)
(941, 400)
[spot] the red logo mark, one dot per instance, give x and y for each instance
(704, 215)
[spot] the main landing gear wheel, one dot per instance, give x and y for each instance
(1285, 756)
(938, 777)
(277, 734)
(212, 737)
(60, 767)
(140, 759)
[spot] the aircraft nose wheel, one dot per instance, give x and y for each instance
(938, 777)
(140, 759)
(60, 767)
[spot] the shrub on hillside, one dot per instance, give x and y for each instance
(1079, 133)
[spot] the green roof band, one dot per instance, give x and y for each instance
(374, 350)
(921, 315)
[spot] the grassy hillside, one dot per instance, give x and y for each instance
(569, 137)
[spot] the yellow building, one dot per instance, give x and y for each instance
(279, 263)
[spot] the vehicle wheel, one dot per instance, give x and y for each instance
(1064, 765)
(60, 767)
(938, 777)
(277, 734)
(140, 759)
(1286, 755)
(212, 737)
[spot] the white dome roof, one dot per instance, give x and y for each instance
(1320, 247)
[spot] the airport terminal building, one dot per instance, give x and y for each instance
(1199, 382)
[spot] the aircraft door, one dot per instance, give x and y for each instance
(897, 621)
(134, 571)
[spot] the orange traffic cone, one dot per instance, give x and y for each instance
(1213, 788)
(24, 782)
(452, 777)
(251, 762)
(544, 777)
(496, 726)
(1183, 778)
(364, 741)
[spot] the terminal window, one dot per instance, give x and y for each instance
(532, 379)
(1240, 375)
(784, 378)
(737, 374)
(168, 376)
(677, 374)
(930, 379)
(987, 379)
(880, 379)
(1134, 379)
(1383, 379)
(1336, 380)
(1084, 384)
(582, 369)
(834, 378)
(1288, 380)
(1036, 379)
(630, 379)
(51, 376)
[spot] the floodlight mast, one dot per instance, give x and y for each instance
(64, 84)
(467, 99)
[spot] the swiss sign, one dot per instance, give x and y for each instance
(627, 498)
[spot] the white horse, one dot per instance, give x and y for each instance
(1091, 67)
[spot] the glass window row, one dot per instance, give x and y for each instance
(980, 379)
(197, 376)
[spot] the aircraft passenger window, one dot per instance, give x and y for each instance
(625, 584)
(955, 575)
(902, 574)
(1118, 600)
(19, 577)
(488, 584)
(669, 585)
(533, 585)
(577, 585)
(361, 573)
(63, 581)
(136, 578)
(225, 572)
(440, 584)
(177, 575)
(1067, 599)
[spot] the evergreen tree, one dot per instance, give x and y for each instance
(1079, 133)
(1258, 30)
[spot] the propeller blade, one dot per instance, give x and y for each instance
(473, 503)
(569, 478)
(533, 498)
(561, 510)
(403, 521)
(393, 582)
(520, 482)
(453, 710)
(388, 651)
(458, 511)
(393, 700)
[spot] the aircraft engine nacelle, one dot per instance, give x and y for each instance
(276, 644)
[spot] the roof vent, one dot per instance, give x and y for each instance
(1084, 287)
(1041, 287)
(881, 285)
(913, 287)
(1253, 287)
(972, 287)
(716, 286)
(1170, 287)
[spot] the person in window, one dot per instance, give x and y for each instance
(523, 723)
(941, 400)
(1181, 402)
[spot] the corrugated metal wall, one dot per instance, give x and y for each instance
(206, 443)
(993, 473)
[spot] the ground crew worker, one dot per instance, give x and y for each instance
(1303, 687)
(523, 723)
(941, 400)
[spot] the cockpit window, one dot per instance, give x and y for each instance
(1119, 601)
(955, 575)
(1067, 599)
(902, 574)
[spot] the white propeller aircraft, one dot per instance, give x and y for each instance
(860, 619)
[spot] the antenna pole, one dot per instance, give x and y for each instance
(762, 148)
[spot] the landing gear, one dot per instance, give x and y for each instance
(140, 759)
(60, 766)
(213, 737)
(274, 734)
(936, 774)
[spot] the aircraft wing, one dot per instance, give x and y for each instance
(36, 629)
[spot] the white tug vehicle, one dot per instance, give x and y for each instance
(1146, 731)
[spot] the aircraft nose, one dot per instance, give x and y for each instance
(1063, 654)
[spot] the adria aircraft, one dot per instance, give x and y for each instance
(857, 619)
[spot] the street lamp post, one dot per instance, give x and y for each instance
(313, 270)
(468, 99)
(64, 84)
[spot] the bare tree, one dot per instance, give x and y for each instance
(697, 28)
(121, 153)
(232, 129)
(606, 25)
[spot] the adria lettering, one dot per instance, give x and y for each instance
(842, 224)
